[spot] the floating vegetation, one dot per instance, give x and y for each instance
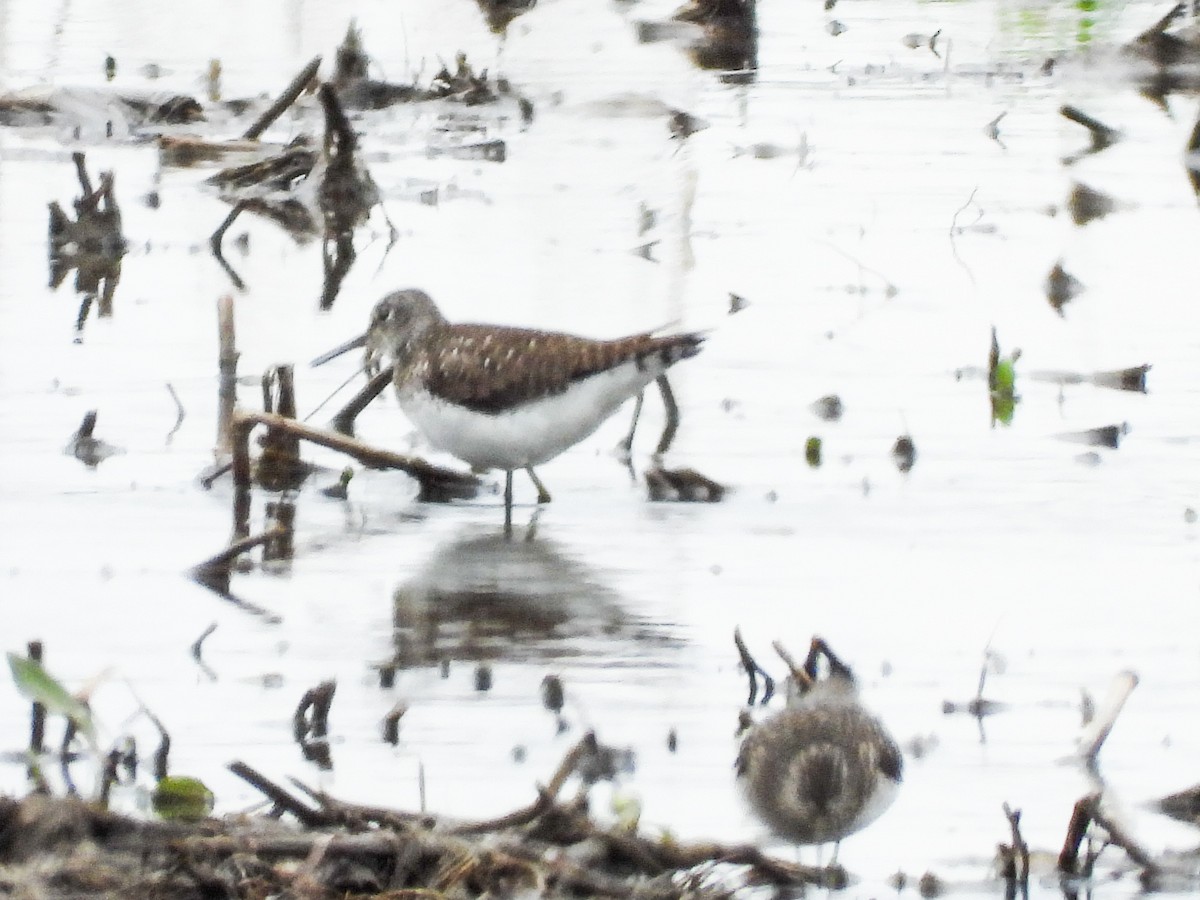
(1062, 287)
(356, 90)
(917, 41)
(279, 188)
(1087, 204)
(553, 694)
(682, 486)
(1102, 136)
(179, 797)
(391, 723)
(992, 130)
(812, 452)
(98, 111)
(683, 125)
(340, 489)
(500, 13)
(485, 151)
(1002, 382)
(904, 453)
(86, 447)
(828, 408)
(1104, 436)
(1183, 806)
(92, 244)
(1130, 379)
(729, 34)
(1163, 48)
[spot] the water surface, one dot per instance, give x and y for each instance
(878, 239)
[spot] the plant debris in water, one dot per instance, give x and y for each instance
(92, 244)
(1087, 204)
(1062, 287)
(729, 33)
(52, 846)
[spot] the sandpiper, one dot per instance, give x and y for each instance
(822, 768)
(507, 398)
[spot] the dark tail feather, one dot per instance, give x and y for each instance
(680, 346)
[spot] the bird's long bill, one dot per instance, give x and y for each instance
(354, 343)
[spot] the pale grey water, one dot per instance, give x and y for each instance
(1072, 570)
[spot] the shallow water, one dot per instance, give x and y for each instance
(1070, 562)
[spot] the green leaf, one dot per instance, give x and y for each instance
(812, 451)
(1006, 376)
(38, 685)
(181, 797)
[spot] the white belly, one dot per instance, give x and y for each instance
(532, 433)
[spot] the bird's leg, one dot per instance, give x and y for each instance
(626, 446)
(672, 413)
(543, 494)
(508, 503)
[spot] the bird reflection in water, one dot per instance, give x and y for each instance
(488, 597)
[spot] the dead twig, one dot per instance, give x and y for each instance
(1102, 135)
(196, 647)
(432, 478)
(233, 551)
(308, 817)
(586, 746)
(753, 669)
(1098, 730)
(180, 413)
(1088, 810)
(218, 236)
(1015, 855)
(294, 89)
(318, 700)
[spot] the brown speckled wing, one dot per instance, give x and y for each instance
(489, 369)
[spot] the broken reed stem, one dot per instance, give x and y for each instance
(336, 124)
(180, 412)
(244, 422)
(227, 360)
(294, 89)
(546, 795)
(820, 648)
(1088, 810)
(343, 420)
(85, 183)
(236, 549)
(197, 645)
(319, 699)
(1097, 732)
(243, 473)
(37, 716)
(799, 675)
(308, 817)
(750, 664)
(218, 237)
(1020, 849)
(1121, 838)
(279, 463)
(163, 751)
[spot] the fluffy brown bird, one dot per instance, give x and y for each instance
(821, 769)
